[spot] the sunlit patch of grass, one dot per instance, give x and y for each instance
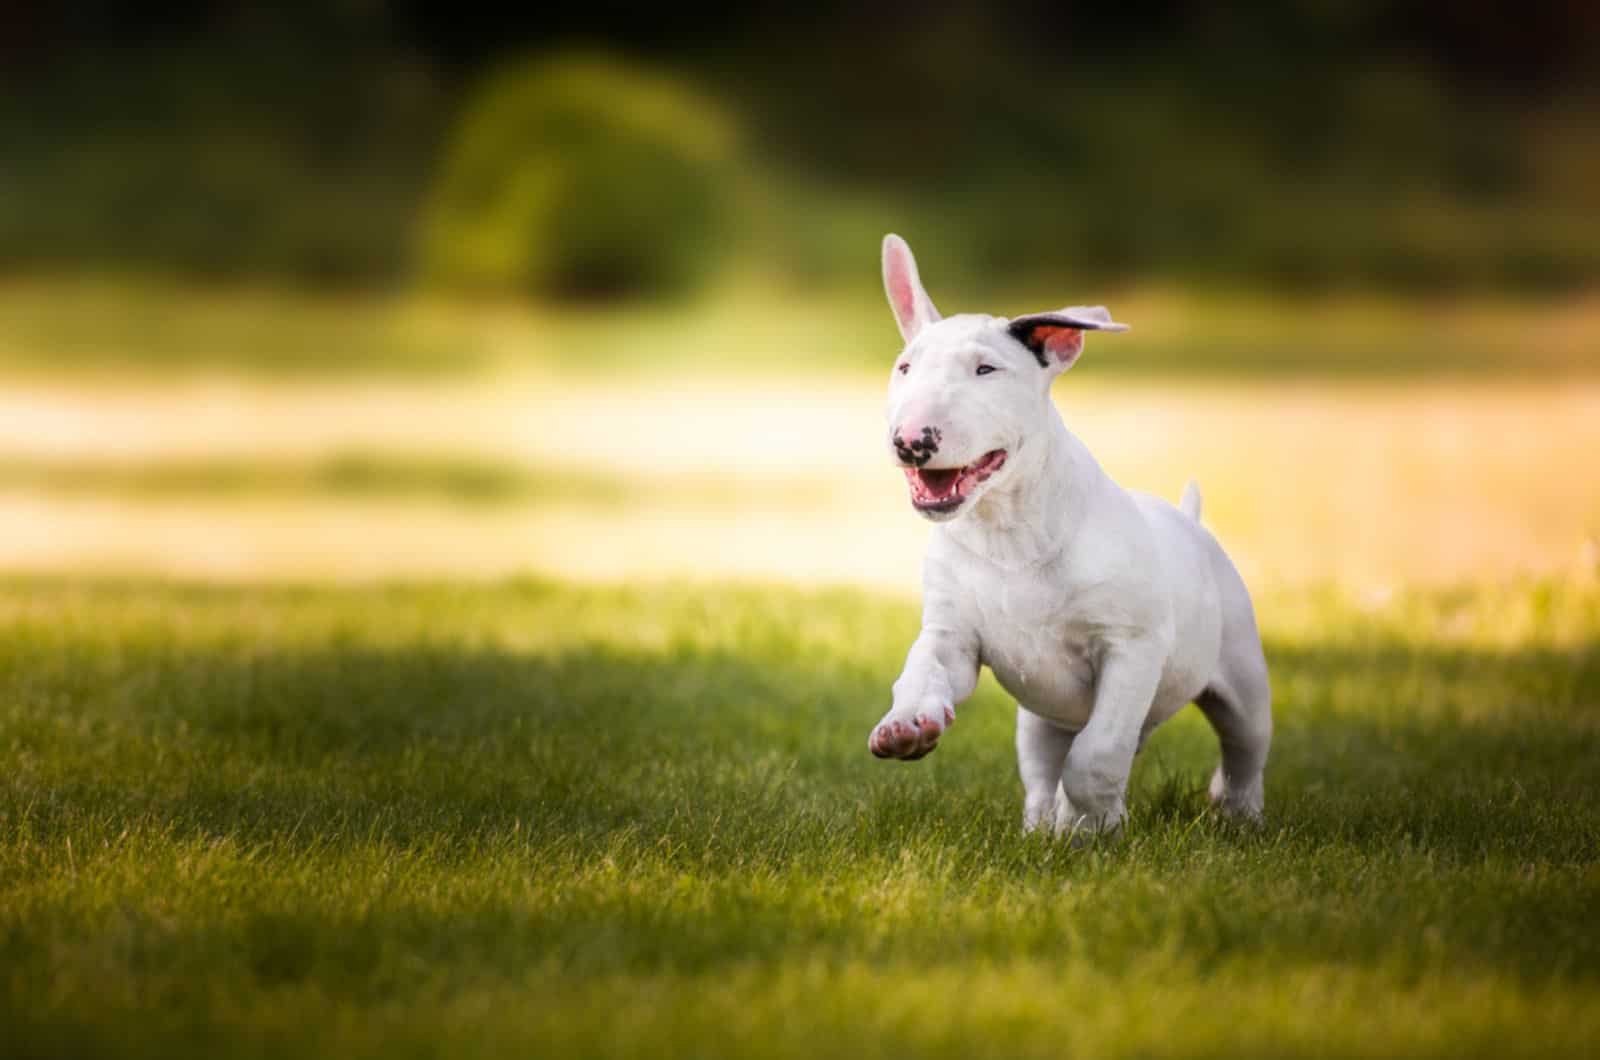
(530, 817)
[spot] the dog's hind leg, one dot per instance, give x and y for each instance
(1244, 728)
(1238, 703)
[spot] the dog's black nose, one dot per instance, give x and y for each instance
(920, 449)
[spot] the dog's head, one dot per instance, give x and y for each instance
(967, 392)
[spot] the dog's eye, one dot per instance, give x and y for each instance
(985, 369)
(903, 368)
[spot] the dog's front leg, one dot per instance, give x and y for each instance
(1096, 777)
(941, 671)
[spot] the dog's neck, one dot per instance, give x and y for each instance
(1034, 515)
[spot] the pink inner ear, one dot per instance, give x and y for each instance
(901, 291)
(1063, 343)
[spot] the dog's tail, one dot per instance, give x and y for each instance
(1190, 504)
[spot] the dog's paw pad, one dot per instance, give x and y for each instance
(907, 739)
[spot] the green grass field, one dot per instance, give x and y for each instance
(528, 818)
(327, 727)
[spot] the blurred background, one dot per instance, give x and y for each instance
(377, 290)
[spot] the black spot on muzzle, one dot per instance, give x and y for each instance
(919, 450)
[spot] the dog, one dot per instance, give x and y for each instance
(1101, 610)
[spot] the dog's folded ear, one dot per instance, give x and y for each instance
(913, 309)
(1056, 339)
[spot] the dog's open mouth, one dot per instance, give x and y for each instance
(943, 489)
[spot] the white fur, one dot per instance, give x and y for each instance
(1103, 611)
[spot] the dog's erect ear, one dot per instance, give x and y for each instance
(1055, 339)
(913, 309)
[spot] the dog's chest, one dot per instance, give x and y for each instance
(1040, 643)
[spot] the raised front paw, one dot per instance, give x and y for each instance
(909, 736)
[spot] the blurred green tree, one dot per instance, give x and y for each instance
(581, 176)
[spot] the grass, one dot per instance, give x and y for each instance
(373, 475)
(77, 325)
(752, 327)
(531, 818)
(463, 479)
(299, 814)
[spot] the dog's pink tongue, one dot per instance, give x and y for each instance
(939, 482)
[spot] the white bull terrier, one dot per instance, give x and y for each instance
(1103, 611)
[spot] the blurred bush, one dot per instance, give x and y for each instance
(581, 176)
